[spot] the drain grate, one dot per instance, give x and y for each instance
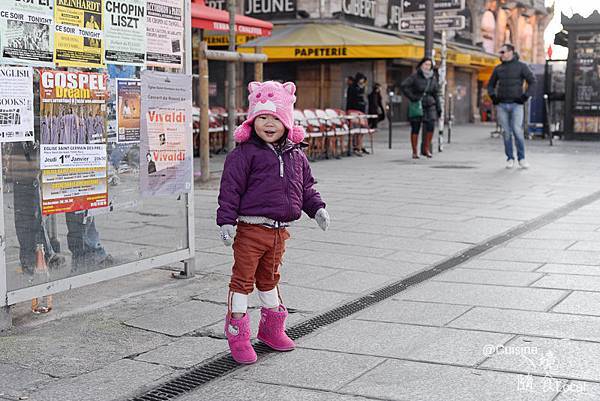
(225, 364)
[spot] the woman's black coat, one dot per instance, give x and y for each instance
(414, 87)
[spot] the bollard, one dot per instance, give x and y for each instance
(390, 117)
(450, 116)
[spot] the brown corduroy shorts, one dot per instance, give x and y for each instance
(257, 253)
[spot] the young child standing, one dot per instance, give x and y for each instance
(266, 184)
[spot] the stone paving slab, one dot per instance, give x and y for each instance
(350, 282)
(549, 324)
(423, 343)
(229, 389)
(579, 302)
(541, 244)
(76, 345)
(497, 277)
(418, 245)
(570, 269)
(393, 231)
(580, 391)
(417, 257)
(381, 266)
(22, 381)
(386, 220)
(409, 312)
(557, 234)
(343, 249)
(415, 381)
(586, 246)
(544, 256)
(296, 273)
(466, 237)
(312, 369)
(500, 265)
(491, 226)
(114, 382)
(572, 227)
(185, 353)
(484, 295)
(569, 281)
(180, 319)
(552, 357)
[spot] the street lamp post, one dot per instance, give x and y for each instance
(429, 28)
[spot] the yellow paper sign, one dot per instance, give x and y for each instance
(79, 38)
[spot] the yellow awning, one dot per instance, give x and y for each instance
(329, 41)
(314, 41)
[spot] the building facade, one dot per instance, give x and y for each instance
(313, 45)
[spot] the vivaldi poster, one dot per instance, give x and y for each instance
(166, 132)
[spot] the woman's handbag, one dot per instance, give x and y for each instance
(415, 108)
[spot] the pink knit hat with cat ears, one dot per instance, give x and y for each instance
(272, 98)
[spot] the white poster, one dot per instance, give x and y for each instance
(26, 32)
(166, 132)
(165, 33)
(16, 104)
(125, 31)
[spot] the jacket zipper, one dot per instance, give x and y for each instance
(281, 170)
(280, 165)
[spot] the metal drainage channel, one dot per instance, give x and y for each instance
(225, 364)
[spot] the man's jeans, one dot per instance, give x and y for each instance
(510, 117)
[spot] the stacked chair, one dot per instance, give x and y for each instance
(330, 133)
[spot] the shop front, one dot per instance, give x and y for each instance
(319, 57)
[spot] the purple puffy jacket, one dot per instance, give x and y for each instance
(257, 181)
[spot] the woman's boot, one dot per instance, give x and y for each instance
(414, 142)
(428, 138)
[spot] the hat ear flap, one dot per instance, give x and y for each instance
(297, 134)
(290, 87)
(243, 132)
(253, 86)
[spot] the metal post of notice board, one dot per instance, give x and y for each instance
(158, 243)
(5, 313)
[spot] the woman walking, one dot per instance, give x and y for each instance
(376, 106)
(422, 89)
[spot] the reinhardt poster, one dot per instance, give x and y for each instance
(73, 141)
(125, 31)
(165, 143)
(79, 37)
(165, 33)
(27, 32)
(16, 104)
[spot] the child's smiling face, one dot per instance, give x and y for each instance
(268, 128)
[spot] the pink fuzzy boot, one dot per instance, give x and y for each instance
(271, 329)
(238, 337)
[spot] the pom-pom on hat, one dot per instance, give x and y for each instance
(272, 98)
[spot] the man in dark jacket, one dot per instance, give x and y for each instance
(506, 90)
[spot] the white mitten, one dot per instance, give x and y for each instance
(322, 218)
(227, 234)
